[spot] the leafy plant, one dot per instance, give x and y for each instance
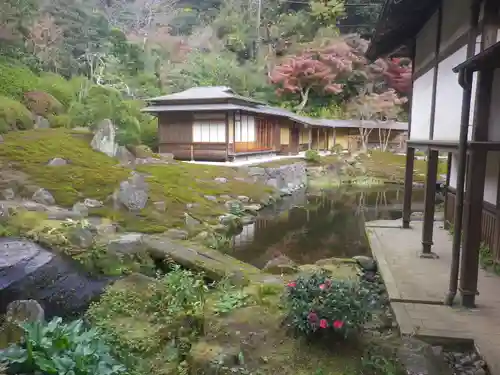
(59, 348)
(317, 304)
(230, 301)
(312, 156)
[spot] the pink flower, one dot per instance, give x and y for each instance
(323, 323)
(292, 284)
(312, 317)
(328, 283)
(322, 286)
(338, 324)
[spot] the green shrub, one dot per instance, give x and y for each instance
(60, 88)
(14, 115)
(16, 80)
(42, 103)
(149, 134)
(58, 348)
(312, 156)
(317, 304)
(337, 149)
(59, 121)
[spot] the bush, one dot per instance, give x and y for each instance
(60, 121)
(14, 115)
(42, 103)
(149, 134)
(16, 80)
(337, 149)
(312, 156)
(317, 304)
(58, 348)
(58, 87)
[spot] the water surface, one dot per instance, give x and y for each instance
(307, 228)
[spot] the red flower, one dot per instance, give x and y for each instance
(292, 284)
(338, 324)
(323, 323)
(312, 317)
(322, 286)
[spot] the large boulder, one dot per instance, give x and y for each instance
(105, 138)
(281, 265)
(43, 196)
(133, 194)
(28, 271)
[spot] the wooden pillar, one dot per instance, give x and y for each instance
(474, 192)
(410, 161)
(429, 203)
(309, 143)
(317, 142)
(446, 185)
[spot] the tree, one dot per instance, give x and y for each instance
(44, 41)
(372, 108)
(398, 74)
(314, 69)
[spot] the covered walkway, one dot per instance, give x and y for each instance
(417, 287)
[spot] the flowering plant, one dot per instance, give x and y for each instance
(318, 304)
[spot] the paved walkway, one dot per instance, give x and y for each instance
(417, 288)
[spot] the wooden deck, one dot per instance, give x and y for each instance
(417, 288)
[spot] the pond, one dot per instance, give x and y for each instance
(309, 227)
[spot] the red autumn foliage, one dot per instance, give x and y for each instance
(397, 74)
(42, 103)
(315, 68)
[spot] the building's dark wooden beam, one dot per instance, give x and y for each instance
(488, 59)
(410, 162)
(430, 204)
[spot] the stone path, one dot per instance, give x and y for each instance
(417, 288)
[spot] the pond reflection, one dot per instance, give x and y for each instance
(307, 228)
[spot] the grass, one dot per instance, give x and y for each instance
(91, 174)
(381, 165)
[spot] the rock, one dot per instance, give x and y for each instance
(57, 162)
(28, 271)
(92, 203)
(160, 206)
(191, 222)
(210, 198)
(212, 359)
(4, 213)
(81, 209)
(43, 196)
(41, 123)
(104, 138)
(281, 265)
(177, 234)
(128, 243)
(21, 311)
(221, 180)
(226, 197)
(8, 194)
(124, 156)
(133, 196)
(190, 206)
(256, 171)
(418, 358)
(202, 236)
(81, 237)
(243, 198)
(231, 221)
(366, 263)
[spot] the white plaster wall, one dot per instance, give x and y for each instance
(491, 178)
(491, 175)
(494, 122)
(421, 106)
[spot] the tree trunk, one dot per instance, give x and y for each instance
(304, 94)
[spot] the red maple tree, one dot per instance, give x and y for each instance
(314, 69)
(397, 74)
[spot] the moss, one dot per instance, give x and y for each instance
(14, 115)
(88, 174)
(91, 174)
(15, 80)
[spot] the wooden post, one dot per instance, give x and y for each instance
(446, 185)
(192, 152)
(410, 161)
(317, 142)
(309, 145)
(474, 192)
(429, 204)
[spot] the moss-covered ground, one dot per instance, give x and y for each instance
(241, 330)
(385, 166)
(90, 174)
